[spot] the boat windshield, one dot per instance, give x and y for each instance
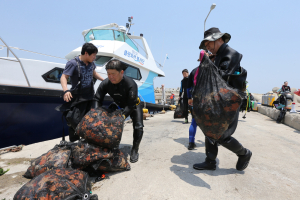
(102, 60)
(110, 35)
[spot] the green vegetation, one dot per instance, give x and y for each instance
(2, 171)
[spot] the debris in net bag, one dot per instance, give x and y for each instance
(179, 111)
(101, 127)
(58, 184)
(58, 157)
(84, 154)
(117, 163)
(215, 103)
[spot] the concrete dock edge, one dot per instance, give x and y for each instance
(290, 119)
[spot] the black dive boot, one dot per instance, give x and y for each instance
(243, 160)
(207, 165)
(137, 137)
(244, 154)
(211, 151)
(134, 155)
(191, 146)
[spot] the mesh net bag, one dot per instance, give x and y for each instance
(57, 184)
(117, 163)
(84, 154)
(215, 103)
(58, 157)
(101, 127)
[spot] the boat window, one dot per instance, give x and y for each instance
(102, 60)
(133, 72)
(130, 43)
(119, 36)
(103, 34)
(54, 75)
(87, 36)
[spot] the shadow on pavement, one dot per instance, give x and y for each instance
(297, 131)
(189, 174)
(185, 142)
(178, 121)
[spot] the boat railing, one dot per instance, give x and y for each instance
(18, 60)
(9, 49)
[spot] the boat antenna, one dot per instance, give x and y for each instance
(128, 25)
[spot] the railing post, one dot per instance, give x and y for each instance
(8, 49)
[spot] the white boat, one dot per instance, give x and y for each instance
(30, 89)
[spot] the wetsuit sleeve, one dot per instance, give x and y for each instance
(180, 93)
(132, 98)
(278, 91)
(101, 92)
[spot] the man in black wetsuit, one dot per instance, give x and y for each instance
(285, 87)
(281, 92)
(183, 89)
(124, 92)
(228, 61)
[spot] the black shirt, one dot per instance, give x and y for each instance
(124, 93)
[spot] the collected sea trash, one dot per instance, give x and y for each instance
(57, 184)
(215, 103)
(102, 127)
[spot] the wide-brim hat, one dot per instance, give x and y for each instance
(213, 34)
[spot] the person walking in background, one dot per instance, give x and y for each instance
(172, 97)
(183, 90)
(190, 86)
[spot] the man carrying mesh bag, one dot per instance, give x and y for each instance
(124, 92)
(216, 99)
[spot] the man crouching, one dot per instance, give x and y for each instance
(124, 92)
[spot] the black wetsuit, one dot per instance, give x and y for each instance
(285, 88)
(228, 61)
(125, 95)
(183, 89)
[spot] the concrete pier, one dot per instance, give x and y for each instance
(165, 169)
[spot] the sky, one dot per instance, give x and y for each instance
(265, 32)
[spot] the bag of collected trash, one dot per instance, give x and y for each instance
(117, 163)
(58, 184)
(215, 103)
(179, 111)
(102, 127)
(58, 157)
(84, 154)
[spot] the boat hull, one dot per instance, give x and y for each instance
(28, 115)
